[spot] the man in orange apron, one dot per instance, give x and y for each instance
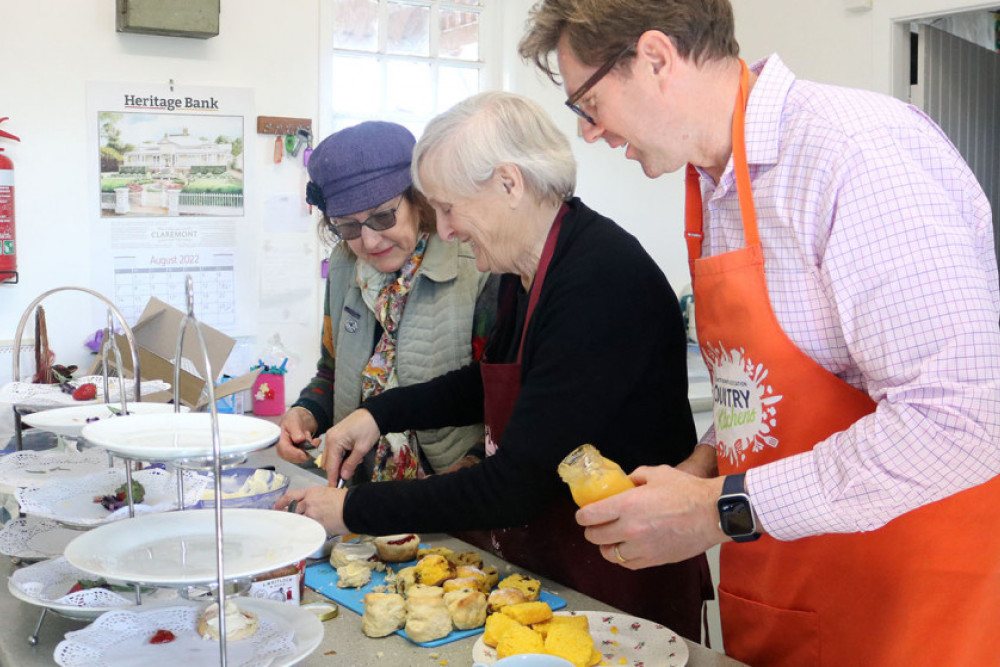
(847, 300)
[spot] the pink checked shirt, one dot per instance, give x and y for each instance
(880, 265)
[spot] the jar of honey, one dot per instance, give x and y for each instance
(591, 477)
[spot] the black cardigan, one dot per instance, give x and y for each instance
(604, 362)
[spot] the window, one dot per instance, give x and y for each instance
(400, 60)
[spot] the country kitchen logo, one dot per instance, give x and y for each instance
(171, 103)
(744, 403)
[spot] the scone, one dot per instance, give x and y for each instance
(397, 548)
(470, 572)
(461, 584)
(353, 575)
(405, 579)
(344, 553)
(432, 570)
(384, 614)
(492, 575)
(466, 558)
(423, 591)
(501, 597)
(427, 619)
(467, 608)
(440, 551)
(531, 588)
(240, 624)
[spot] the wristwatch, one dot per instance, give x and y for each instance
(736, 518)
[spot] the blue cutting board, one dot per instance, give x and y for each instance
(322, 578)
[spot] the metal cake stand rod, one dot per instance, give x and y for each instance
(126, 329)
(113, 313)
(189, 318)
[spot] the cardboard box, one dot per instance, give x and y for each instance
(156, 335)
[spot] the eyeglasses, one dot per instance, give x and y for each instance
(348, 229)
(573, 100)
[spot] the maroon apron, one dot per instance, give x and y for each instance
(554, 546)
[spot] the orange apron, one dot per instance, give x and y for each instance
(922, 590)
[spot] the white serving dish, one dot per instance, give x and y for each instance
(47, 584)
(287, 635)
(621, 639)
(185, 436)
(69, 422)
(71, 502)
(179, 548)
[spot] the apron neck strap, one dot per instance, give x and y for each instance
(543, 268)
(693, 214)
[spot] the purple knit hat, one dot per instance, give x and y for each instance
(360, 167)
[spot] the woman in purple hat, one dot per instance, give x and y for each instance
(401, 305)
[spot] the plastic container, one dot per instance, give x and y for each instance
(275, 485)
(591, 477)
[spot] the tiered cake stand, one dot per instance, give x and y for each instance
(114, 316)
(194, 548)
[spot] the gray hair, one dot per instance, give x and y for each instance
(486, 130)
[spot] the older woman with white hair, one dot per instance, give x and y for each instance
(588, 347)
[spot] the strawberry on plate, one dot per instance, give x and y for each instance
(85, 392)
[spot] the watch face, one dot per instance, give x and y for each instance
(735, 516)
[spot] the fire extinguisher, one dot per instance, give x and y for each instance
(8, 256)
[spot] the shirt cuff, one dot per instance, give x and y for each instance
(789, 500)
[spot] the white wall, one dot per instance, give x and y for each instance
(51, 51)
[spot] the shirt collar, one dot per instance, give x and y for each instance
(764, 110)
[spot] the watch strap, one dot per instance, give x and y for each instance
(735, 486)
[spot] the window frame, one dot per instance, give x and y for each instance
(488, 64)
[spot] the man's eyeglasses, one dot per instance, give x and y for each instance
(573, 100)
(348, 229)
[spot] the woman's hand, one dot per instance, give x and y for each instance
(352, 437)
(702, 463)
(297, 427)
(321, 503)
(670, 516)
(466, 461)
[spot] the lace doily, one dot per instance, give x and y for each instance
(31, 538)
(48, 584)
(31, 468)
(41, 396)
(121, 639)
(71, 501)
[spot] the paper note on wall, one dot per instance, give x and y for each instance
(287, 280)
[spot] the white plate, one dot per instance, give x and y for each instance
(180, 436)
(621, 639)
(30, 397)
(71, 502)
(47, 584)
(31, 538)
(121, 638)
(30, 468)
(179, 547)
(69, 422)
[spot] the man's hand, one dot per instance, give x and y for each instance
(353, 437)
(670, 516)
(297, 427)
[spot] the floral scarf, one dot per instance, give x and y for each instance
(397, 454)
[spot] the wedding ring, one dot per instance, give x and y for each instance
(619, 553)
